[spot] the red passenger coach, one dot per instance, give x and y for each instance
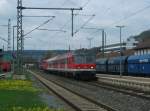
(78, 66)
(43, 65)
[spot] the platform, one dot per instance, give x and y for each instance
(137, 83)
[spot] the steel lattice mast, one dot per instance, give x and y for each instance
(19, 37)
(9, 35)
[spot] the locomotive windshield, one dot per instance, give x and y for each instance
(85, 59)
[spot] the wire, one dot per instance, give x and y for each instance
(83, 15)
(83, 6)
(3, 39)
(131, 15)
(125, 18)
(84, 24)
(86, 3)
(67, 1)
(56, 30)
(38, 26)
(37, 16)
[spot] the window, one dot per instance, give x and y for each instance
(82, 59)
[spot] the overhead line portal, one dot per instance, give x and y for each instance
(20, 35)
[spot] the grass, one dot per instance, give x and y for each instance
(20, 95)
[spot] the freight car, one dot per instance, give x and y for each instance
(80, 66)
(137, 65)
(101, 65)
(114, 65)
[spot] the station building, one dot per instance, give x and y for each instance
(143, 47)
(131, 42)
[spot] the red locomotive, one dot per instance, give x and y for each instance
(5, 62)
(5, 66)
(79, 66)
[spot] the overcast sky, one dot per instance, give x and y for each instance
(134, 14)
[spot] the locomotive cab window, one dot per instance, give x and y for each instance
(82, 59)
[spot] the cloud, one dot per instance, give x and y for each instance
(107, 13)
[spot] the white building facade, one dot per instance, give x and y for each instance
(131, 42)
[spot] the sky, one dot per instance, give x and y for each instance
(99, 14)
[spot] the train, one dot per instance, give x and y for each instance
(80, 66)
(134, 65)
(5, 62)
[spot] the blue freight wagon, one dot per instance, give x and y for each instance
(144, 62)
(133, 65)
(101, 65)
(114, 64)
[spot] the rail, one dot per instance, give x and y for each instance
(137, 85)
(2, 76)
(76, 101)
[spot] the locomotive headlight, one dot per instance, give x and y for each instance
(92, 67)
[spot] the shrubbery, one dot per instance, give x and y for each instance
(20, 95)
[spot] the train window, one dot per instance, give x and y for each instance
(82, 59)
(79, 59)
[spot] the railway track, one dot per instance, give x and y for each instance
(114, 99)
(77, 101)
(136, 84)
(133, 92)
(2, 76)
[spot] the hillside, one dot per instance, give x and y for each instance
(143, 35)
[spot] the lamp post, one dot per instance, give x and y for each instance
(120, 28)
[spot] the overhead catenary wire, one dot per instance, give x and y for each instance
(131, 15)
(56, 30)
(67, 1)
(3, 39)
(126, 18)
(76, 14)
(86, 3)
(66, 23)
(39, 26)
(37, 16)
(84, 24)
(109, 9)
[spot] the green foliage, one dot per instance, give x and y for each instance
(22, 85)
(15, 98)
(20, 95)
(36, 108)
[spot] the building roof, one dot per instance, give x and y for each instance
(144, 44)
